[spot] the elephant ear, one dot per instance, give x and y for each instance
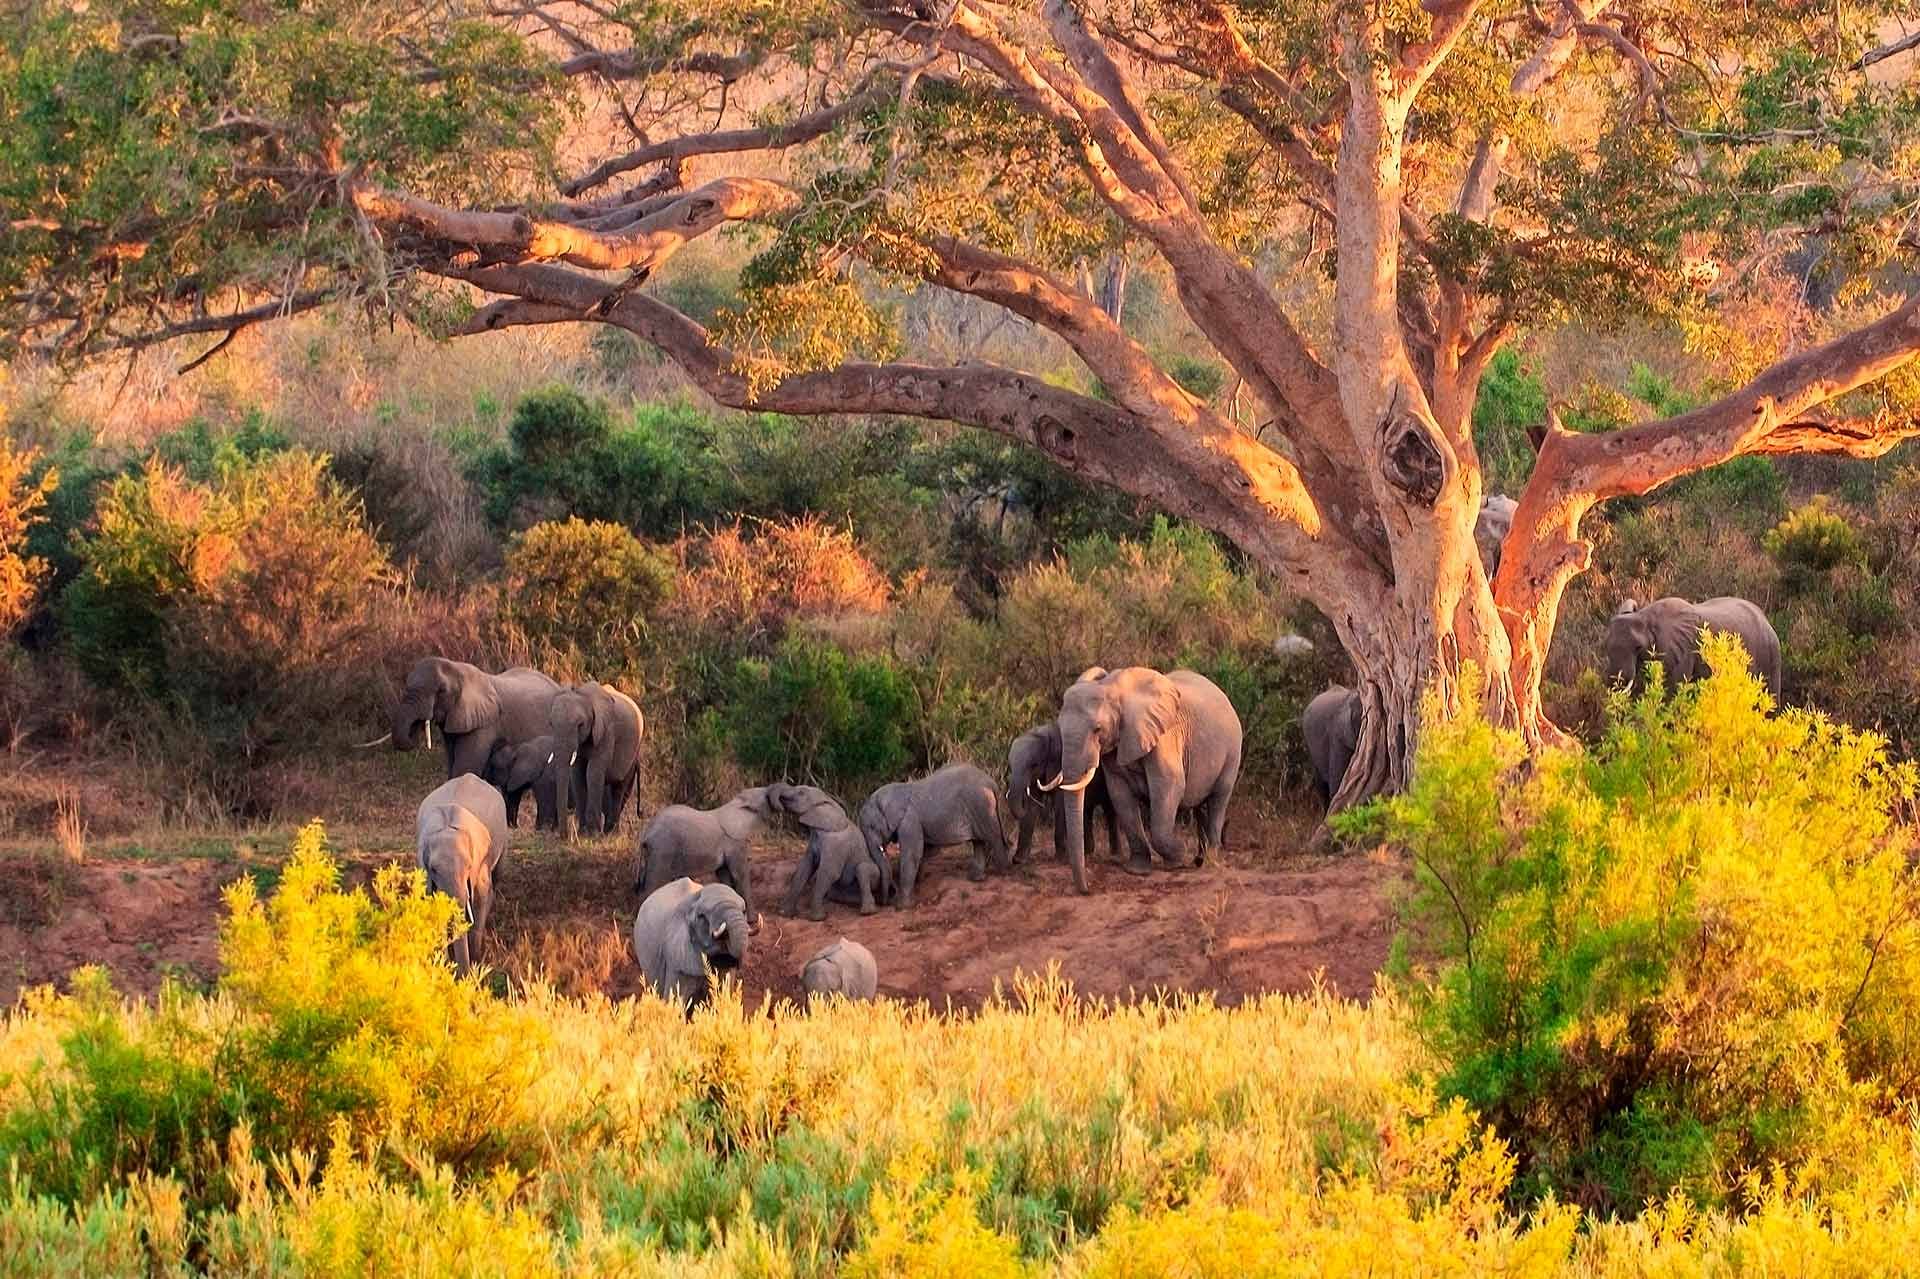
(1147, 711)
(471, 700)
(1090, 674)
(739, 816)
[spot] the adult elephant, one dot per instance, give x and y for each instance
(1669, 631)
(1032, 761)
(683, 932)
(460, 836)
(957, 804)
(1167, 742)
(475, 711)
(1331, 725)
(599, 728)
(706, 843)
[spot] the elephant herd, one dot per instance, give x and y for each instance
(1669, 631)
(1143, 747)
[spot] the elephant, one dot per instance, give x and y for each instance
(1668, 630)
(599, 728)
(958, 804)
(842, 968)
(461, 836)
(685, 930)
(1491, 527)
(476, 711)
(709, 843)
(1169, 743)
(517, 768)
(1331, 725)
(1034, 758)
(838, 862)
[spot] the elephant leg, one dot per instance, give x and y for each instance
(469, 752)
(1165, 788)
(797, 886)
(1113, 831)
(513, 807)
(482, 907)
(734, 864)
(825, 876)
(1062, 814)
(1126, 807)
(1212, 818)
(912, 849)
(596, 800)
(1023, 841)
(621, 795)
(995, 833)
(869, 876)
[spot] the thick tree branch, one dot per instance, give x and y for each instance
(1886, 51)
(641, 247)
(1226, 481)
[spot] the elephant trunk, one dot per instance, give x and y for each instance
(1079, 760)
(729, 941)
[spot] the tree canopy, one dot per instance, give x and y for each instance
(1449, 172)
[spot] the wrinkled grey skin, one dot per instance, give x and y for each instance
(1033, 761)
(532, 765)
(1491, 527)
(597, 730)
(837, 863)
(684, 932)
(959, 804)
(842, 968)
(1167, 744)
(706, 843)
(1331, 725)
(474, 711)
(1669, 631)
(461, 835)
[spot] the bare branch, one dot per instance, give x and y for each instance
(1886, 51)
(230, 324)
(769, 138)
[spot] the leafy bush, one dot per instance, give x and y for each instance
(1812, 541)
(1200, 378)
(1676, 961)
(22, 498)
(587, 592)
(812, 713)
(1512, 398)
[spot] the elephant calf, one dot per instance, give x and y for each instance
(959, 804)
(528, 766)
(843, 968)
(838, 862)
(1331, 725)
(462, 835)
(683, 933)
(1669, 631)
(706, 843)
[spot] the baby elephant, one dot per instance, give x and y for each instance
(837, 862)
(462, 835)
(519, 767)
(706, 843)
(845, 968)
(957, 805)
(683, 932)
(1331, 725)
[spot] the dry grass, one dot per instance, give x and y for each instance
(69, 827)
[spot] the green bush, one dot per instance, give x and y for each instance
(1200, 378)
(1677, 960)
(1812, 541)
(588, 592)
(812, 713)
(1512, 398)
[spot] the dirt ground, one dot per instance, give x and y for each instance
(562, 912)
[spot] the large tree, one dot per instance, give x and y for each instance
(181, 167)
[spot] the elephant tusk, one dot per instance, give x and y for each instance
(429, 734)
(1084, 781)
(571, 758)
(1050, 785)
(720, 929)
(549, 758)
(384, 737)
(468, 906)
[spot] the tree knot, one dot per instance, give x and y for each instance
(1410, 458)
